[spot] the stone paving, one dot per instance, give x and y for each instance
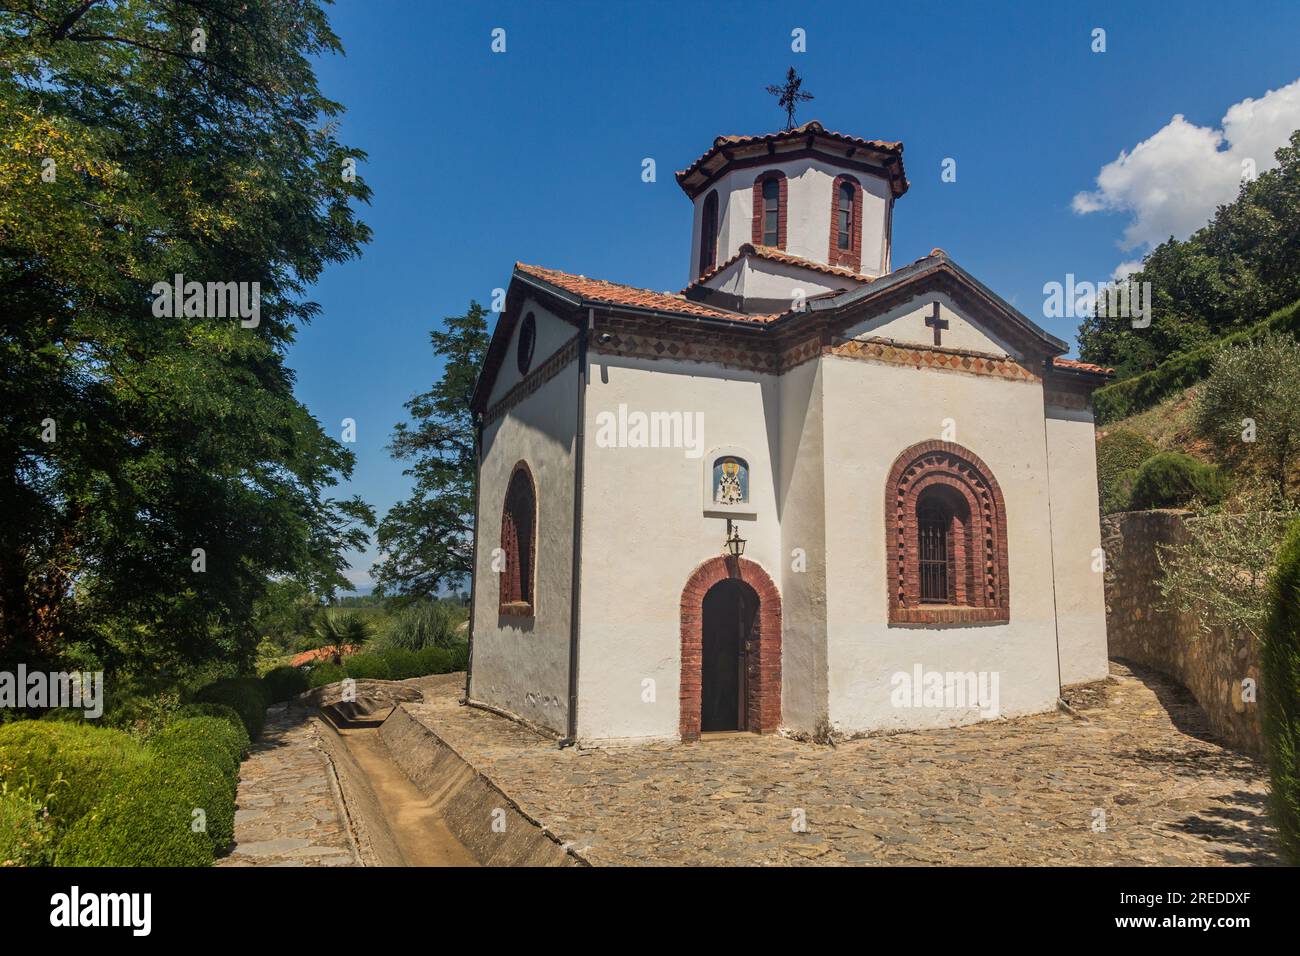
(287, 812)
(1025, 791)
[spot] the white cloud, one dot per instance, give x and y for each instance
(1172, 182)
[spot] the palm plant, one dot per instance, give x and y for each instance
(342, 632)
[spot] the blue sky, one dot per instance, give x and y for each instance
(478, 159)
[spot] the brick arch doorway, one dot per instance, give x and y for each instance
(740, 605)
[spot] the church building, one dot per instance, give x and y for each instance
(811, 492)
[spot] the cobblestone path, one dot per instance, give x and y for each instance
(287, 812)
(1035, 790)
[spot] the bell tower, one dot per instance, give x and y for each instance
(799, 196)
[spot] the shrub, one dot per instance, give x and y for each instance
(1219, 570)
(207, 735)
(147, 818)
(1118, 496)
(246, 695)
(25, 833)
(402, 664)
(66, 767)
(222, 711)
(428, 624)
(284, 683)
(1119, 452)
(140, 711)
(1171, 479)
(366, 666)
(324, 672)
(1280, 680)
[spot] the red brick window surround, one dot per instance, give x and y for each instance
(709, 233)
(519, 544)
(846, 223)
(946, 538)
(770, 190)
(763, 658)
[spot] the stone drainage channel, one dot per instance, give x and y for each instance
(410, 800)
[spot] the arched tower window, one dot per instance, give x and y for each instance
(519, 543)
(946, 538)
(709, 233)
(769, 210)
(846, 223)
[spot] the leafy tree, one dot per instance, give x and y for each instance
(137, 149)
(428, 539)
(1249, 406)
(1233, 272)
(1219, 572)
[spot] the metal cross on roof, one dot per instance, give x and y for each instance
(789, 97)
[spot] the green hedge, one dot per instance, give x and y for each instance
(284, 683)
(248, 696)
(1122, 399)
(204, 736)
(393, 664)
(1280, 694)
(1120, 452)
(147, 818)
(1172, 479)
(64, 766)
(324, 672)
(226, 713)
(25, 834)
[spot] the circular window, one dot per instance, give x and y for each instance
(527, 339)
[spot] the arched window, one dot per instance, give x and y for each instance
(846, 223)
(946, 538)
(709, 233)
(769, 210)
(519, 543)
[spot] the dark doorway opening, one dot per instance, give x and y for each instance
(729, 615)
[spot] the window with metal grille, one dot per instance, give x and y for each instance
(933, 523)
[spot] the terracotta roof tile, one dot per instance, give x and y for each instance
(778, 255)
(612, 293)
(811, 127)
(1077, 366)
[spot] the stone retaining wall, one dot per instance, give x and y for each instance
(1211, 666)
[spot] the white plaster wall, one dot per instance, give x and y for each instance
(645, 533)
(872, 413)
(552, 333)
(521, 665)
(801, 499)
(1076, 537)
(764, 279)
(906, 323)
(808, 219)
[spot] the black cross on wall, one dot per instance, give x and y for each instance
(936, 323)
